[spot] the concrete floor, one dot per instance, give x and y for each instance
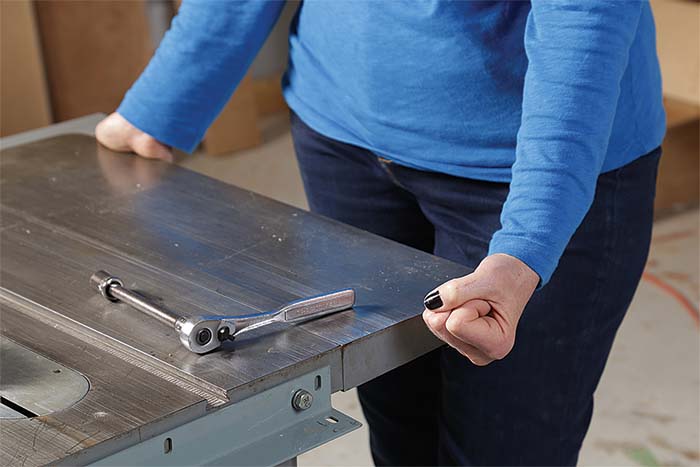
(647, 406)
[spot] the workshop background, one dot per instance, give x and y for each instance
(65, 59)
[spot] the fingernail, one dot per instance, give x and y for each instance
(432, 301)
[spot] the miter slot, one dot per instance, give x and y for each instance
(10, 409)
(215, 395)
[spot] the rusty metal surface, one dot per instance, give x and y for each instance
(199, 246)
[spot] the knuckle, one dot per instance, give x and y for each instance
(449, 292)
(497, 354)
(100, 128)
(103, 132)
(148, 142)
(454, 325)
(464, 353)
(145, 145)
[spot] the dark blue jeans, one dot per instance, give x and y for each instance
(534, 406)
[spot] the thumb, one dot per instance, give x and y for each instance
(454, 293)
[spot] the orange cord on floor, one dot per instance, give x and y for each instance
(685, 303)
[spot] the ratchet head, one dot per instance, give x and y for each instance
(202, 334)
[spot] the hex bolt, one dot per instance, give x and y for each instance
(302, 400)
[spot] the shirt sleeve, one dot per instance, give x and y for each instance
(196, 68)
(577, 54)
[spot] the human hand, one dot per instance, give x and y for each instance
(117, 134)
(478, 314)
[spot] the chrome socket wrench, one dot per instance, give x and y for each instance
(202, 334)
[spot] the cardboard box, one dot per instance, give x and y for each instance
(24, 102)
(678, 183)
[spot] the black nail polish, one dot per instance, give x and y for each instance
(433, 301)
(430, 294)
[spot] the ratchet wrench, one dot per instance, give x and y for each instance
(202, 334)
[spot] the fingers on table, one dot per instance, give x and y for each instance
(146, 146)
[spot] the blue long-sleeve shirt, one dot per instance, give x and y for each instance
(545, 95)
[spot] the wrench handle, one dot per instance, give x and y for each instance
(320, 305)
(298, 311)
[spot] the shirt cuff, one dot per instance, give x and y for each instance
(167, 132)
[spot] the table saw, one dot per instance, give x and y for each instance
(85, 380)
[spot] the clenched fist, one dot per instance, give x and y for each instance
(117, 134)
(478, 314)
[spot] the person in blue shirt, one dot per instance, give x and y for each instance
(518, 138)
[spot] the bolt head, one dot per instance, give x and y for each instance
(302, 399)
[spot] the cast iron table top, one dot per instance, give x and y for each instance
(69, 207)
